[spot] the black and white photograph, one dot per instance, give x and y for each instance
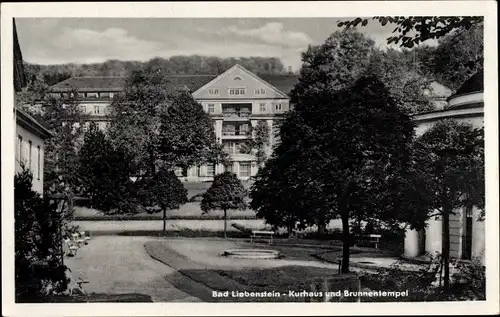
(195, 157)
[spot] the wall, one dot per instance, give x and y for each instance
(22, 155)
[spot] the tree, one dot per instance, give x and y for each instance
(105, 174)
(412, 31)
(64, 118)
(39, 270)
(163, 190)
(187, 136)
(226, 192)
(459, 56)
(401, 74)
(258, 142)
(135, 124)
(349, 144)
(451, 155)
(333, 65)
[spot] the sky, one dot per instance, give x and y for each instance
(92, 40)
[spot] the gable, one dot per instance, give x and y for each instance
(238, 83)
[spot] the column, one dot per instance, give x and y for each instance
(478, 237)
(434, 236)
(218, 130)
(411, 247)
(271, 139)
(236, 168)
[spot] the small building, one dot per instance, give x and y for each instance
(467, 234)
(30, 134)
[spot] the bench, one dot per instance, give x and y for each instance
(372, 238)
(256, 234)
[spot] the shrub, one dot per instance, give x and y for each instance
(39, 270)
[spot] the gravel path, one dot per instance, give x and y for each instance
(114, 264)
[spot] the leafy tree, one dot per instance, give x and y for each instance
(186, 135)
(64, 118)
(39, 270)
(412, 31)
(135, 124)
(451, 155)
(163, 190)
(333, 65)
(226, 192)
(258, 143)
(105, 174)
(350, 144)
(458, 56)
(402, 76)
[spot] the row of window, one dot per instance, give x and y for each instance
(90, 95)
(278, 107)
(244, 170)
(93, 109)
(236, 91)
(29, 160)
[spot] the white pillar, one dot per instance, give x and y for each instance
(218, 130)
(434, 236)
(411, 247)
(236, 168)
(478, 237)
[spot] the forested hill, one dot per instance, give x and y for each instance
(179, 65)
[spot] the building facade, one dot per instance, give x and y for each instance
(467, 234)
(236, 100)
(30, 135)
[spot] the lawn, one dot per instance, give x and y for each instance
(201, 261)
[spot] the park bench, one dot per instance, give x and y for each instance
(258, 234)
(372, 238)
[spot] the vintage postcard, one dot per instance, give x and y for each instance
(249, 158)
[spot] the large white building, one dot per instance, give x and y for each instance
(466, 231)
(236, 100)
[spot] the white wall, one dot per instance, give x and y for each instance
(22, 152)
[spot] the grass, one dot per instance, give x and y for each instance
(101, 298)
(281, 279)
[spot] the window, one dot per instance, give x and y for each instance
(38, 162)
(104, 94)
(81, 95)
(210, 170)
(211, 108)
(260, 91)
(29, 154)
(262, 107)
(245, 169)
(230, 147)
(111, 95)
(92, 95)
(213, 92)
(229, 168)
(184, 172)
(20, 141)
(236, 91)
(96, 109)
(278, 107)
(244, 129)
(83, 109)
(237, 78)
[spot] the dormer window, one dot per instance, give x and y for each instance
(237, 78)
(213, 92)
(237, 91)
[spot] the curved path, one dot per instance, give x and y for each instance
(114, 264)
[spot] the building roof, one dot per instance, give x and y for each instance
(90, 83)
(19, 75)
(28, 122)
(284, 83)
(473, 84)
